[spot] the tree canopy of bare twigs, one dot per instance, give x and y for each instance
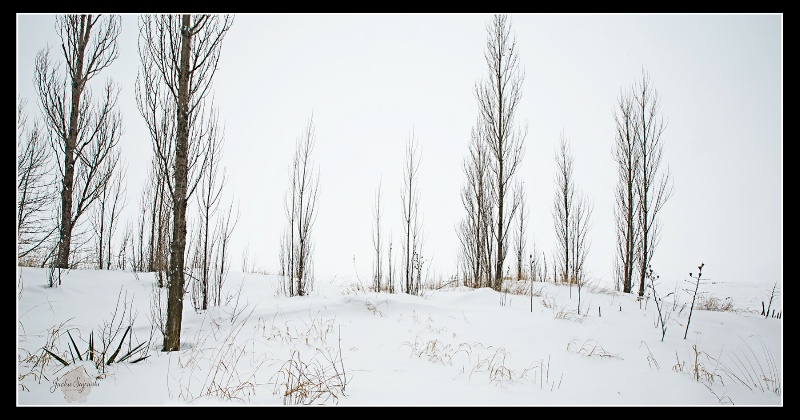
(655, 186)
(83, 133)
(572, 219)
(105, 220)
(476, 230)
(412, 260)
(377, 242)
(301, 202)
(35, 193)
(520, 231)
(179, 57)
(626, 208)
(498, 97)
(212, 181)
(563, 209)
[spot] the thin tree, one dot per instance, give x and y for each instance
(377, 242)
(390, 275)
(110, 203)
(221, 262)
(301, 208)
(563, 210)
(409, 197)
(520, 232)
(626, 206)
(35, 193)
(179, 57)
(654, 187)
(83, 135)
(581, 223)
(498, 98)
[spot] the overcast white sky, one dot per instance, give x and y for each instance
(370, 80)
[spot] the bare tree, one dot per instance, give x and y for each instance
(654, 187)
(105, 220)
(390, 275)
(301, 203)
(572, 219)
(154, 225)
(377, 243)
(626, 156)
(563, 210)
(35, 193)
(498, 98)
(521, 231)
(179, 57)
(476, 230)
(221, 263)
(412, 229)
(581, 223)
(208, 200)
(126, 248)
(82, 135)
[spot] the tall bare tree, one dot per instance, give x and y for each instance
(498, 98)
(83, 135)
(564, 210)
(580, 224)
(301, 203)
(476, 230)
(626, 155)
(412, 227)
(179, 57)
(35, 192)
(208, 200)
(655, 186)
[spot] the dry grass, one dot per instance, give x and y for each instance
(567, 314)
(757, 372)
(494, 362)
(374, 308)
(38, 362)
(219, 365)
(353, 288)
(697, 369)
(313, 333)
(590, 348)
(319, 380)
(312, 382)
(713, 303)
(435, 351)
(651, 360)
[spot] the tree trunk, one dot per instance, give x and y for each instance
(172, 338)
(78, 83)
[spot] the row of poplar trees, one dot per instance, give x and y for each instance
(494, 200)
(179, 55)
